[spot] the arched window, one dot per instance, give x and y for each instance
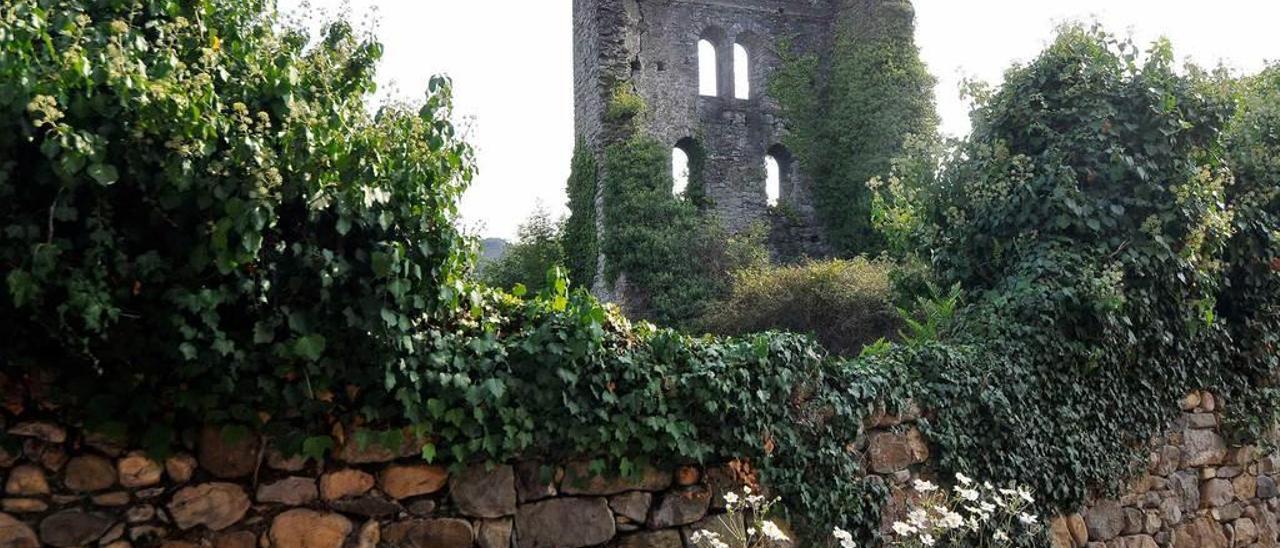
(679, 170)
(777, 168)
(708, 84)
(741, 72)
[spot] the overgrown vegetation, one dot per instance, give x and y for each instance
(190, 179)
(1102, 229)
(538, 249)
(844, 304)
(581, 247)
(849, 120)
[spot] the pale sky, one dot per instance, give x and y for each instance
(512, 66)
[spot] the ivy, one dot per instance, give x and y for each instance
(580, 244)
(850, 115)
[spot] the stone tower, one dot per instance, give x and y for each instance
(651, 48)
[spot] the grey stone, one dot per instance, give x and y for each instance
(370, 506)
(1203, 448)
(1267, 487)
(484, 492)
(534, 481)
(633, 506)
(579, 479)
(669, 538)
(1215, 493)
(1104, 520)
(1186, 487)
(680, 507)
(292, 491)
(564, 523)
(74, 528)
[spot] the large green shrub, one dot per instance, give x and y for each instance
(193, 198)
(845, 304)
(538, 249)
(1090, 221)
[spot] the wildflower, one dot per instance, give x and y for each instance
(709, 538)
(999, 536)
(771, 530)
(918, 518)
(903, 529)
(731, 498)
(925, 487)
(927, 539)
(970, 495)
(1027, 519)
(963, 479)
(1025, 494)
(845, 538)
(951, 520)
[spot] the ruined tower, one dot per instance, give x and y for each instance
(656, 49)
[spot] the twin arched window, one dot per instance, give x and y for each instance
(710, 72)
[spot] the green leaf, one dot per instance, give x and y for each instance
(310, 347)
(315, 447)
(104, 174)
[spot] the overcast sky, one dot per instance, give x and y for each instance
(512, 66)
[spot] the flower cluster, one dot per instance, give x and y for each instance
(744, 524)
(971, 514)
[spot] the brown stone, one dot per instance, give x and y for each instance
(53, 457)
(370, 535)
(26, 480)
(180, 467)
(368, 506)
(276, 460)
(1215, 493)
(374, 452)
(404, 481)
(292, 491)
(115, 498)
(345, 483)
(680, 507)
(303, 528)
(1060, 533)
(227, 458)
(15, 534)
(580, 479)
(141, 513)
(430, 533)
(1200, 533)
(1245, 486)
(88, 473)
(890, 452)
(235, 539)
(1243, 532)
(24, 506)
(74, 528)
(1104, 520)
(495, 533)
(564, 523)
(687, 475)
(44, 431)
(214, 505)
(137, 470)
(483, 492)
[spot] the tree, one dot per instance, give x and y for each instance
(536, 251)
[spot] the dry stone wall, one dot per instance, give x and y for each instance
(1198, 491)
(65, 489)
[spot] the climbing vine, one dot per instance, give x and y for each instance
(850, 115)
(580, 244)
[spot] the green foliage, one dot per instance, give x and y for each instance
(536, 251)
(581, 247)
(933, 315)
(1092, 222)
(848, 122)
(845, 304)
(195, 180)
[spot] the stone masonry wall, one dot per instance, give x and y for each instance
(63, 489)
(1198, 491)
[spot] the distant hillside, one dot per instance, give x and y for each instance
(493, 249)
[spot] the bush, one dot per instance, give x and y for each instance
(845, 304)
(536, 251)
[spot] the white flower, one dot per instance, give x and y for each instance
(1027, 519)
(746, 489)
(731, 498)
(927, 539)
(711, 539)
(1026, 495)
(925, 487)
(963, 479)
(970, 495)
(1000, 536)
(951, 520)
(919, 518)
(903, 529)
(845, 538)
(771, 530)
(986, 507)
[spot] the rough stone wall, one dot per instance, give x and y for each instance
(1198, 491)
(63, 489)
(650, 47)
